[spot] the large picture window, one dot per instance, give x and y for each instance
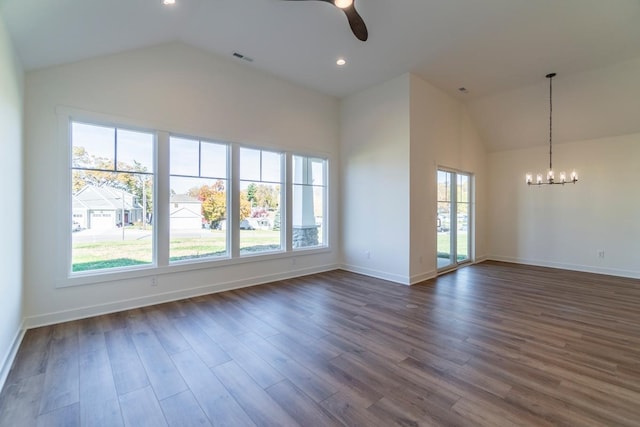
(142, 202)
(198, 199)
(260, 217)
(112, 197)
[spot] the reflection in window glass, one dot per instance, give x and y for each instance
(198, 199)
(260, 195)
(309, 201)
(112, 200)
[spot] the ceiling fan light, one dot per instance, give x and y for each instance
(343, 4)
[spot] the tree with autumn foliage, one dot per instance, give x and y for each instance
(214, 202)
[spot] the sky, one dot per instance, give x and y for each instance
(193, 162)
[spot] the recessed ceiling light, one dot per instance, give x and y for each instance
(341, 61)
(343, 4)
(168, 2)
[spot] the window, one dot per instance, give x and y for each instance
(149, 200)
(198, 195)
(260, 217)
(309, 202)
(112, 184)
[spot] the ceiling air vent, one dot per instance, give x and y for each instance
(241, 56)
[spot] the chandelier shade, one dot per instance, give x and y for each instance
(551, 178)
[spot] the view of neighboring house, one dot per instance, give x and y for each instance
(100, 208)
(185, 213)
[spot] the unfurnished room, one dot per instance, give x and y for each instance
(320, 213)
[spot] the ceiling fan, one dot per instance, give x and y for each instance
(355, 20)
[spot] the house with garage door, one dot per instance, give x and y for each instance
(105, 207)
(185, 212)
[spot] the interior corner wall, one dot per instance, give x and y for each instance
(11, 169)
(569, 226)
(375, 181)
(442, 135)
(180, 89)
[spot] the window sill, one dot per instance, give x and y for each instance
(183, 266)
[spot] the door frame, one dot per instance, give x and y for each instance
(453, 221)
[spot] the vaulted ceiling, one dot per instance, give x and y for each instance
(500, 50)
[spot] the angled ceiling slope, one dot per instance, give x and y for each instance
(490, 47)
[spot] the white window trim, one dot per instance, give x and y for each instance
(160, 264)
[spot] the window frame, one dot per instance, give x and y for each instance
(283, 198)
(228, 234)
(161, 174)
(453, 225)
(325, 199)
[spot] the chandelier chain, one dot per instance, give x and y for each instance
(550, 122)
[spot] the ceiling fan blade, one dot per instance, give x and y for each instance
(356, 23)
(355, 20)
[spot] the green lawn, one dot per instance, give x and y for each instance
(444, 245)
(119, 253)
(122, 253)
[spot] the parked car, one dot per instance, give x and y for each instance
(75, 226)
(246, 225)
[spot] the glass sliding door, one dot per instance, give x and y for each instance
(453, 219)
(463, 210)
(443, 221)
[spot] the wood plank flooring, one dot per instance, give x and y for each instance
(492, 344)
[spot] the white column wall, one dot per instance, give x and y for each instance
(442, 134)
(375, 180)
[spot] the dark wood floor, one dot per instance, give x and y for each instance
(492, 344)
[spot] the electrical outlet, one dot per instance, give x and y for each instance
(367, 254)
(601, 254)
(154, 281)
(293, 261)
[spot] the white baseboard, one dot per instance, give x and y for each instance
(97, 310)
(417, 278)
(566, 266)
(7, 362)
(396, 278)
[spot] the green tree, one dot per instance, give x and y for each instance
(251, 193)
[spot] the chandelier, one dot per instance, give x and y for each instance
(550, 174)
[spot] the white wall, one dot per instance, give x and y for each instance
(394, 136)
(442, 135)
(170, 87)
(11, 155)
(375, 180)
(566, 226)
